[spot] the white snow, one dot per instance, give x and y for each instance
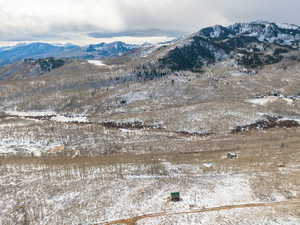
(265, 33)
(217, 32)
(54, 116)
(288, 26)
(97, 63)
(262, 101)
(208, 165)
(270, 99)
(25, 146)
(70, 119)
(290, 118)
(98, 194)
(136, 96)
(26, 142)
(234, 216)
(148, 50)
(30, 113)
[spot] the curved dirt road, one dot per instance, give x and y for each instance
(134, 220)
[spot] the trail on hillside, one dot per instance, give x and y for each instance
(134, 220)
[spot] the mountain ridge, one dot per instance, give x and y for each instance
(255, 42)
(38, 50)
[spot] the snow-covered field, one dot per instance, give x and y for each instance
(35, 133)
(45, 194)
(235, 216)
(94, 190)
(14, 147)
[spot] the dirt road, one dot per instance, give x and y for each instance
(134, 220)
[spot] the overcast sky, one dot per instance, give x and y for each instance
(26, 20)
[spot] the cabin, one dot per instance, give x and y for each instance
(175, 196)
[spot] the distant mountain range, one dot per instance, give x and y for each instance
(249, 44)
(12, 54)
(37, 50)
(111, 49)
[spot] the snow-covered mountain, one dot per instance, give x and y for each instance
(42, 50)
(111, 49)
(250, 44)
(34, 50)
(282, 34)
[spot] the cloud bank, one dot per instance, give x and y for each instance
(65, 19)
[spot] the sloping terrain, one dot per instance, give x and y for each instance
(249, 44)
(213, 102)
(215, 116)
(30, 68)
(119, 187)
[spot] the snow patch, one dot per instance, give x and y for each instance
(97, 63)
(262, 101)
(270, 99)
(208, 165)
(287, 26)
(135, 96)
(70, 119)
(30, 113)
(54, 116)
(216, 32)
(24, 147)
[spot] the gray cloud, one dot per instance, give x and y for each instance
(62, 19)
(286, 11)
(186, 15)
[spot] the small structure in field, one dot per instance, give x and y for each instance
(232, 155)
(175, 196)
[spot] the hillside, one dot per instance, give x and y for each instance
(133, 91)
(247, 44)
(106, 139)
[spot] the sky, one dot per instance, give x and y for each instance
(65, 21)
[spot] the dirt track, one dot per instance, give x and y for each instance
(134, 220)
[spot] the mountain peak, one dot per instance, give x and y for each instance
(250, 44)
(278, 33)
